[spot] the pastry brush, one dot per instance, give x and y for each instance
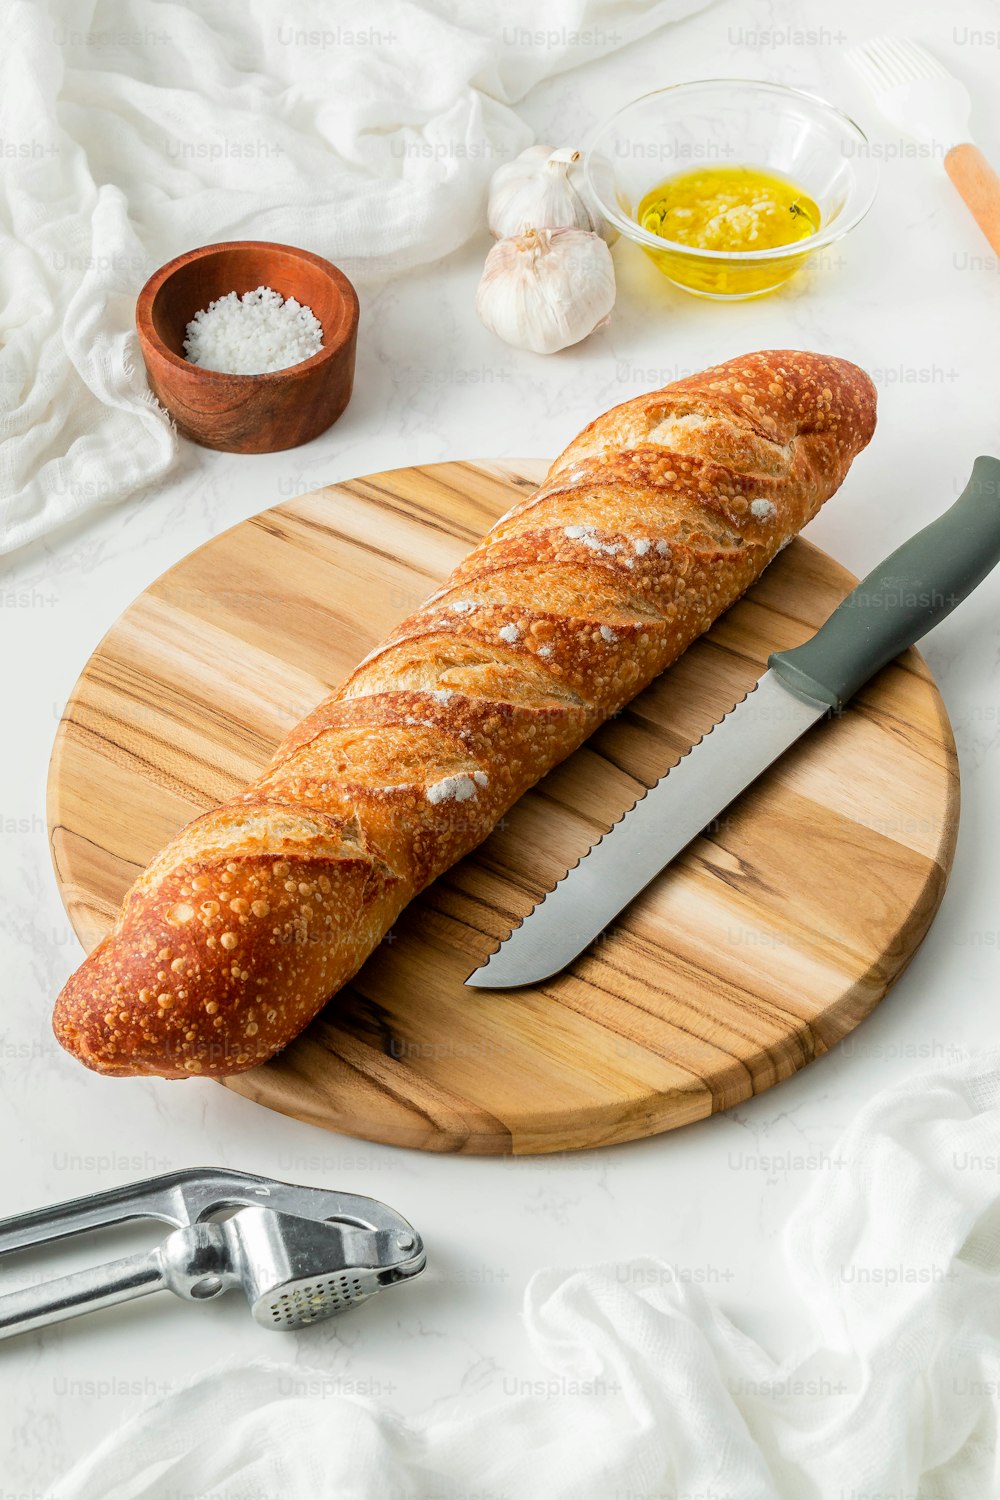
(926, 102)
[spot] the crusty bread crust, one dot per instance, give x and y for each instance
(650, 524)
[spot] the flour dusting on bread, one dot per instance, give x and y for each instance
(649, 525)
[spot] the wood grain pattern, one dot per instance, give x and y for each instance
(770, 938)
(248, 413)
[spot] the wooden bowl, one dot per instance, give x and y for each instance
(248, 413)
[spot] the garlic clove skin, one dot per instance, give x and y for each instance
(543, 188)
(547, 288)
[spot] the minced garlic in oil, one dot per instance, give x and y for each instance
(729, 208)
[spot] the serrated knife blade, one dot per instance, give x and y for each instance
(635, 850)
(896, 604)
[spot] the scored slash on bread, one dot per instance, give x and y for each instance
(647, 528)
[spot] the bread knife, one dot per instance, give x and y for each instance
(888, 611)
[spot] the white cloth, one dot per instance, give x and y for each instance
(133, 130)
(895, 1254)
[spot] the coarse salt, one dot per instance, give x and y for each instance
(253, 334)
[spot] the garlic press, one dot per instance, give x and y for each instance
(301, 1254)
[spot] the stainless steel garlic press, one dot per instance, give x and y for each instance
(300, 1254)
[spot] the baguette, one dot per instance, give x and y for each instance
(646, 528)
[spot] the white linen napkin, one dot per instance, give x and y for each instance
(133, 130)
(895, 1254)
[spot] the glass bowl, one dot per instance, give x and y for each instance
(731, 122)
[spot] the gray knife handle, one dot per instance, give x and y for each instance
(902, 598)
(83, 1291)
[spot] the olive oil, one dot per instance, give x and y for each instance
(728, 210)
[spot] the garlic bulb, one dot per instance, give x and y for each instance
(547, 288)
(543, 189)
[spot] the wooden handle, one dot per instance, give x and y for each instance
(979, 185)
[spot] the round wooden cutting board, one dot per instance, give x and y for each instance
(772, 936)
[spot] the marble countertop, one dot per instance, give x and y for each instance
(909, 296)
